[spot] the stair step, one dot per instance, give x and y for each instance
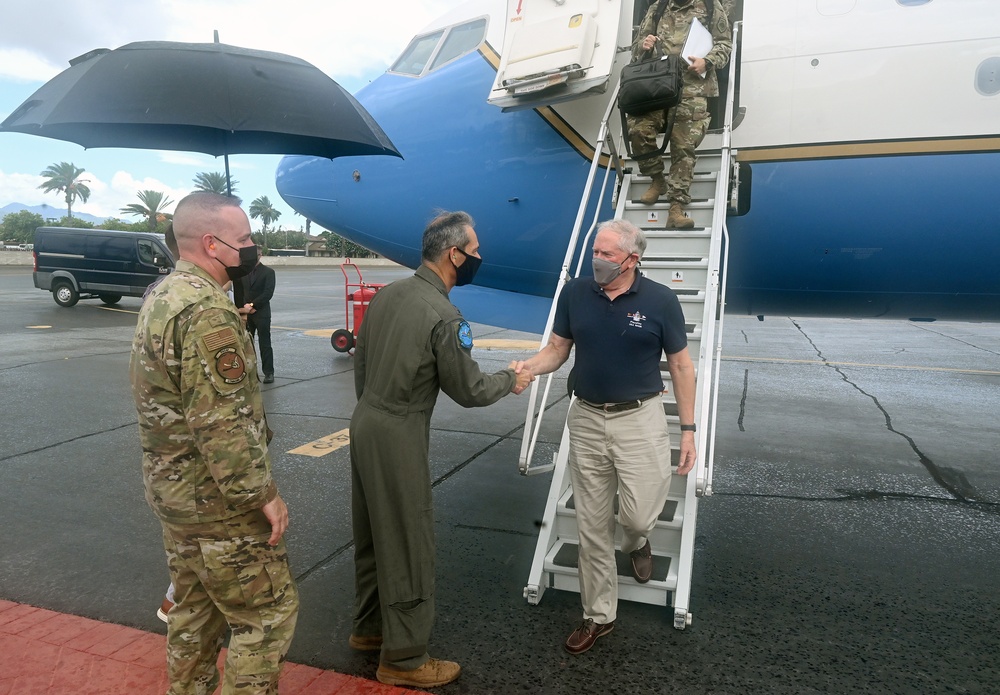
(562, 562)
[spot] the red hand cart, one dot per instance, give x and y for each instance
(358, 294)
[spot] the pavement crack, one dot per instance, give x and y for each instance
(953, 481)
(329, 558)
(54, 445)
(743, 399)
(496, 530)
(958, 340)
(845, 495)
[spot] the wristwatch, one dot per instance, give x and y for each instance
(689, 428)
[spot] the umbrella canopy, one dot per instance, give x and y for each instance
(200, 97)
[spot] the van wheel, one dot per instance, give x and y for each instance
(110, 298)
(64, 293)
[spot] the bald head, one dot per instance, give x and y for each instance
(199, 213)
(210, 229)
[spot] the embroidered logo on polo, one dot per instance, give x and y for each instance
(465, 335)
(230, 365)
(636, 319)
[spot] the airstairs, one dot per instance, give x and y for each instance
(691, 262)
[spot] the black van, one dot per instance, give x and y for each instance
(79, 264)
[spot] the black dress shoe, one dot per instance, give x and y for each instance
(642, 563)
(269, 378)
(583, 637)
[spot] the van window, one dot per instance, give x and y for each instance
(146, 251)
(110, 248)
(65, 243)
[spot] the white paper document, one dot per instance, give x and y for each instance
(698, 44)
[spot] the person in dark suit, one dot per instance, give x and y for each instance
(253, 295)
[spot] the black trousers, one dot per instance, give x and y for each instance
(261, 327)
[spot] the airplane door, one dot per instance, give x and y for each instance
(556, 50)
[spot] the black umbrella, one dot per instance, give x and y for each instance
(200, 97)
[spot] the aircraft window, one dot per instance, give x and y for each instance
(417, 54)
(460, 40)
(912, 3)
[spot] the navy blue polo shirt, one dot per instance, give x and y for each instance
(619, 343)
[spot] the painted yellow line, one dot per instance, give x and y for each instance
(774, 360)
(38, 326)
(503, 344)
(324, 445)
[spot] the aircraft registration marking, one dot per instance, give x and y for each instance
(324, 445)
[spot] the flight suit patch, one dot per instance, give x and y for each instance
(465, 335)
(229, 365)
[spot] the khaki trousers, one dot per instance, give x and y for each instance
(627, 453)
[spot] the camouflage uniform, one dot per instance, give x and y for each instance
(691, 115)
(207, 474)
(412, 343)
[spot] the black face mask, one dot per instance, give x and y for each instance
(465, 272)
(248, 261)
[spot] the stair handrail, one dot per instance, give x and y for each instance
(533, 421)
(721, 247)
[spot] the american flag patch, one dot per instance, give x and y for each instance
(221, 338)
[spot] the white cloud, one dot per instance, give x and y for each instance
(25, 66)
(23, 188)
(123, 190)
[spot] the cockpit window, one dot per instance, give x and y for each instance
(417, 54)
(462, 39)
(430, 50)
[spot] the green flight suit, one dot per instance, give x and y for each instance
(412, 343)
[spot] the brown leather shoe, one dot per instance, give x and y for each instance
(583, 637)
(164, 608)
(433, 673)
(365, 643)
(642, 563)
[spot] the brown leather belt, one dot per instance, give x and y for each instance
(618, 407)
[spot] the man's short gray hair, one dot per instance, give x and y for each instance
(446, 230)
(198, 204)
(630, 238)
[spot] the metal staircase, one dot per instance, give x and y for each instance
(691, 262)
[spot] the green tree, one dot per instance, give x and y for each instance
(64, 177)
(213, 182)
(262, 209)
(20, 226)
(151, 207)
(67, 221)
(123, 226)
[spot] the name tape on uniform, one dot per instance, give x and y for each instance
(324, 445)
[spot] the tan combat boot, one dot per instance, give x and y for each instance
(433, 673)
(657, 187)
(677, 219)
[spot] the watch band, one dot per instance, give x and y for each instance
(689, 428)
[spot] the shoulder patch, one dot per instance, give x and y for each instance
(465, 335)
(230, 366)
(219, 339)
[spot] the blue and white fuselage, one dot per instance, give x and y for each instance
(872, 128)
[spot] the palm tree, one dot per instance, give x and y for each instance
(65, 178)
(213, 182)
(262, 208)
(151, 208)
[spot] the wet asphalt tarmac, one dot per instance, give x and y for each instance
(852, 543)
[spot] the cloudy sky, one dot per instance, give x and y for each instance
(353, 42)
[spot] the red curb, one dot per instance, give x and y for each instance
(43, 652)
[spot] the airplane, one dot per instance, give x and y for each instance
(872, 128)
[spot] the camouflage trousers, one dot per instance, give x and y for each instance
(225, 575)
(690, 125)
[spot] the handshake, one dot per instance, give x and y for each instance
(524, 377)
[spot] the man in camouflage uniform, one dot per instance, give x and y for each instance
(691, 117)
(412, 344)
(205, 463)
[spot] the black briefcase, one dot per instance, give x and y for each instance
(651, 85)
